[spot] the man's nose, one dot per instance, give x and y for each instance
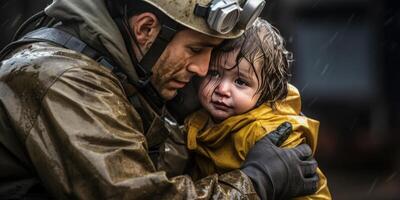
(200, 63)
(223, 89)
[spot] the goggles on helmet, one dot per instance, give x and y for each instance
(224, 15)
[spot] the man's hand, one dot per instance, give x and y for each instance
(279, 173)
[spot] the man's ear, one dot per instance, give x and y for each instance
(145, 27)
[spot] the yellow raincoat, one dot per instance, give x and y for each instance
(222, 147)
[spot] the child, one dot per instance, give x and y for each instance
(245, 96)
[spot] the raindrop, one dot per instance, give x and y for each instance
(350, 20)
(388, 21)
(391, 177)
(316, 3)
(15, 21)
(290, 39)
(304, 87)
(317, 62)
(324, 70)
(5, 4)
(372, 186)
(315, 99)
(331, 40)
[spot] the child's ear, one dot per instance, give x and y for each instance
(145, 27)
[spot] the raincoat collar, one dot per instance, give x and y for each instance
(203, 129)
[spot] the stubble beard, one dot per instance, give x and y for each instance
(163, 73)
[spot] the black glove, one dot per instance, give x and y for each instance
(279, 173)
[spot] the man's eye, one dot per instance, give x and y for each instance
(241, 82)
(195, 49)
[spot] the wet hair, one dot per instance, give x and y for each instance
(261, 44)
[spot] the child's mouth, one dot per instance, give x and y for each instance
(221, 105)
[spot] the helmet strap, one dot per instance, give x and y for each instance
(157, 48)
(144, 68)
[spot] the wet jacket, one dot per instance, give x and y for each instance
(221, 147)
(73, 126)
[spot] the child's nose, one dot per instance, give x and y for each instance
(223, 89)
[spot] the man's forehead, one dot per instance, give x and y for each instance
(202, 39)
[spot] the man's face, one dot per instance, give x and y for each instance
(187, 55)
(230, 89)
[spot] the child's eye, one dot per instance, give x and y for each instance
(213, 73)
(241, 82)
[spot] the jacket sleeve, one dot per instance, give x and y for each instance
(87, 143)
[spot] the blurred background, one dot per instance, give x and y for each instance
(347, 57)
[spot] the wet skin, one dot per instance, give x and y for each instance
(187, 55)
(229, 89)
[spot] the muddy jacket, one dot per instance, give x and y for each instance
(66, 122)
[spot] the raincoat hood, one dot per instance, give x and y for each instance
(95, 27)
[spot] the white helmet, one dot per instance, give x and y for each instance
(218, 18)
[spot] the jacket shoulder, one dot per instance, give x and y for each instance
(27, 74)
(40, 64)
(46, 57)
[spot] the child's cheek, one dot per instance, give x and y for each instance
(206, 88)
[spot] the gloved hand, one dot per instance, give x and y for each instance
(279, 173)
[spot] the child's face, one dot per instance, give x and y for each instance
(229, 90)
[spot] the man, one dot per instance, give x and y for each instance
(82, 106)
